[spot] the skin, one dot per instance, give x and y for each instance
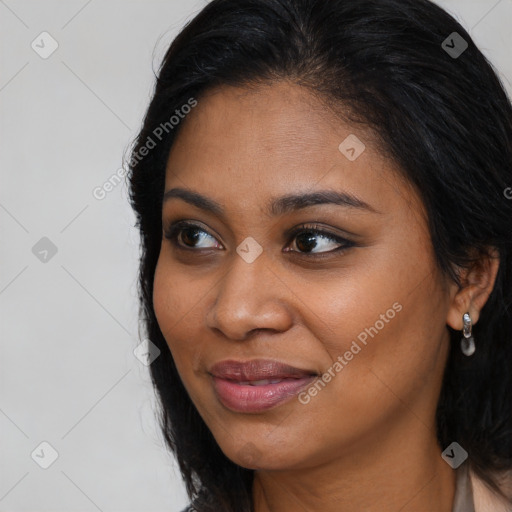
(367, 440)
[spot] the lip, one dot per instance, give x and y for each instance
(231, 383)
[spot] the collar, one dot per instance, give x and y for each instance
(463, 500)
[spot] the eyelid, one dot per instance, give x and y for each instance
(318, 229)
(337, 233)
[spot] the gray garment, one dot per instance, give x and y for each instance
(463, 499)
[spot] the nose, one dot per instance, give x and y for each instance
(250, 297)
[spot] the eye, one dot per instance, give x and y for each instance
(185, 235)
(306, 237)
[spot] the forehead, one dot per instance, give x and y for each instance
(248, 144)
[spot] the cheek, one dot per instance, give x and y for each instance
(179, 305)
(379, 321)
(164, 298)
(171, 302)
(361, 302)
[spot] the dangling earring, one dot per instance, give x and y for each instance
(467, 344)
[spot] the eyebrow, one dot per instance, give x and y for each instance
(277, 206)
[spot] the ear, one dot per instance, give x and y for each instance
(477, 284)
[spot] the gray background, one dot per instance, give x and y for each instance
(68, 325)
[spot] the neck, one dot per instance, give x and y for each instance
(389, 474)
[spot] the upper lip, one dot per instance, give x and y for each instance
(257, 369)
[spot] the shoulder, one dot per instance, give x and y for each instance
(485, 499)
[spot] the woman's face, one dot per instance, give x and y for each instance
(369, 319)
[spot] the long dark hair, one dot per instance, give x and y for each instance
(443, 118)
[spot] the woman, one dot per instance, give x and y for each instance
(322, 189)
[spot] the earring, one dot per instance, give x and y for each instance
(467, 343)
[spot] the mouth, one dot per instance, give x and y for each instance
(257, 385)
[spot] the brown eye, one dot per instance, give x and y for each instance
(307, 239)
(187, 236)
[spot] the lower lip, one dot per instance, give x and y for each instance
(246, 398)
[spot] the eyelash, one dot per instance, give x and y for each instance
(172, 232)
